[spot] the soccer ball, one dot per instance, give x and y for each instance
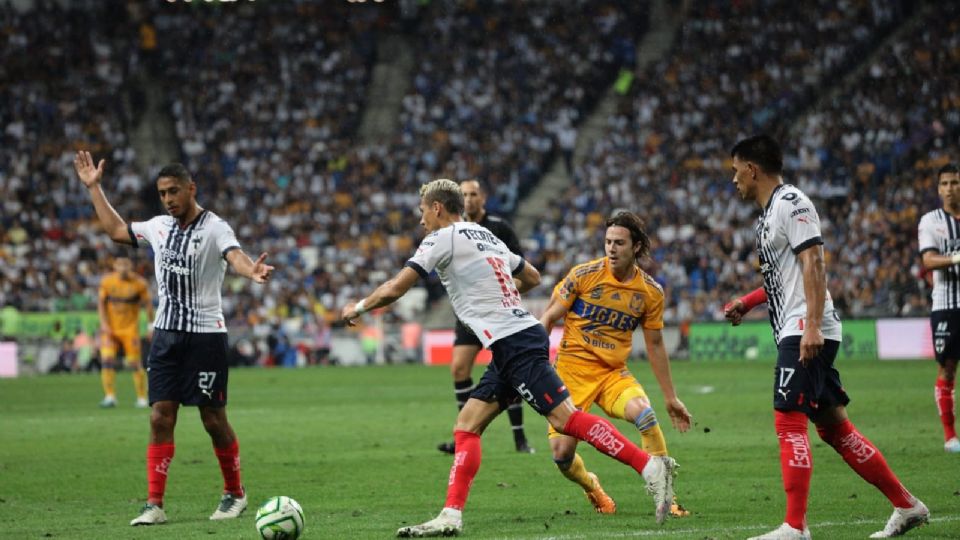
(280, 518)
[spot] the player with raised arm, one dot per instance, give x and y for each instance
(807, 331)
(939, 244)
(466, 346)
(484, 281)
(602, 303)
(187, 363)
(122, 294)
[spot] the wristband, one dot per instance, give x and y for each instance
(955, 258)
(360, 308)
(753, 299)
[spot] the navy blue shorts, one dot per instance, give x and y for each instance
(465, 336)
(945, 328)
(188, 367)
(521, 369)
(807, 389)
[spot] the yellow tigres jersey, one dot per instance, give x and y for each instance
(603, 312)
(123, 298)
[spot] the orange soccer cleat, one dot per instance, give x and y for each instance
(601, 502)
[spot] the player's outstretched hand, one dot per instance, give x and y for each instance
(349, 314)
(261, 270)
(88, 174)
(734, 311)
(679, 415)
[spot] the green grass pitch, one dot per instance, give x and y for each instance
(356, 448)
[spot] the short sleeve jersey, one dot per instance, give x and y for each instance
(603, 312)
(940, 232)
(189, 264)
(476, 269)
(788, 225)
(122, 299)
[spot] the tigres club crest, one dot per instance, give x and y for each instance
(597, 292)
(636, 303)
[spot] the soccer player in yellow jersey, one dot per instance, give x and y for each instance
(122, 294)
(602, 302)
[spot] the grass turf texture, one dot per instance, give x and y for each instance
(356, 448)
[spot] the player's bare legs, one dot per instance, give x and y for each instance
(944, 393)
(227, 449)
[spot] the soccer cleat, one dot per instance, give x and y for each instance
(448, 523)
(142, 403)
(601, 502)
(525, 448)
(784, 532)
(904, 519)
(447, 448)
(108, 402)
(677, 510)
(150, 514)
(659, 474)
(952, 446)
(230, 506)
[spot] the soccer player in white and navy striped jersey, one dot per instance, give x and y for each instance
(484, 281)
(807, 331)
(939, 244)
(187, 363)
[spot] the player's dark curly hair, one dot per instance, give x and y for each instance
(949, 168)
(634, 224)
(175, 170)
(762, 150)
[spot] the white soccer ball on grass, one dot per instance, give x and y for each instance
(280, 518)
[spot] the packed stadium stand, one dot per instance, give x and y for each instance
(266, 101)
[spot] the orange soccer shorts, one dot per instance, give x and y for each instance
(592, 382)
(129, 341)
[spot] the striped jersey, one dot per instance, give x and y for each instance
(788, 225)
(476, 269)
(603, 313)
(939, 231)
(189, 264)
(122, 299)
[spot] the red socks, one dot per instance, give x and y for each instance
(796, 464)
(586, 427)
(229, 459)
(864, 458)
(159, 457)
(466, 463)
(943, 392)
(605, 438)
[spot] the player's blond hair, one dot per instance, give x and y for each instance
(444, 191)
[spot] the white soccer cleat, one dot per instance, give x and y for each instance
(904, 519)
(151, 514)
(142, 403)
(784, 532)
(230, 506)
(108, 402)
(952, 446)
(448, 523)
(659, 473)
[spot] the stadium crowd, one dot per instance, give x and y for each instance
(666, 151)
(266, 111)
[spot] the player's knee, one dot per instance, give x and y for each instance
(161, 422)
(646, 420)
(563, 452)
